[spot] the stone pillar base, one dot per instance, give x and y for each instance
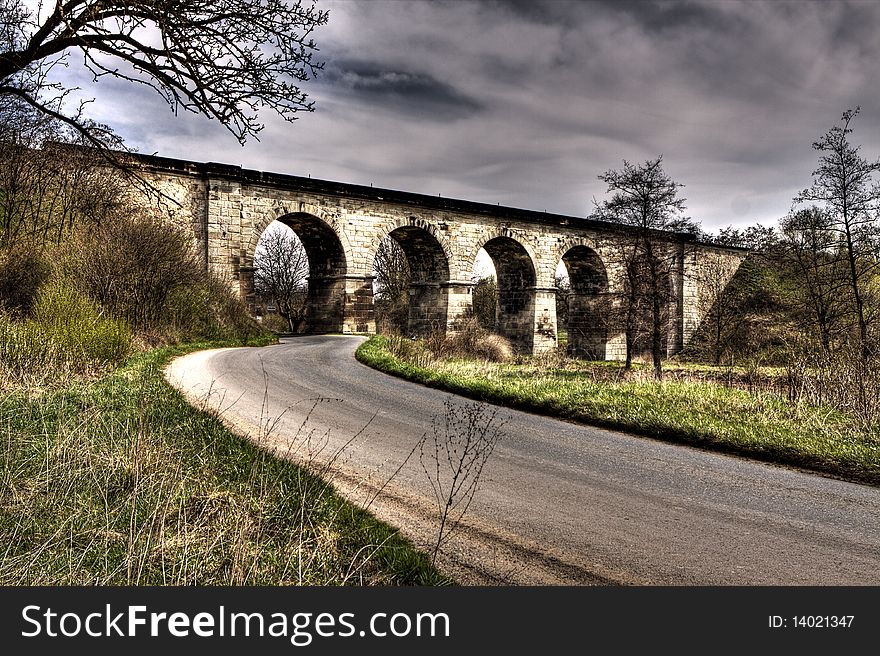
(358, 313)
(459, 303)
(427, 309)
(545, 338)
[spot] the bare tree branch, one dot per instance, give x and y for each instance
(224, 59)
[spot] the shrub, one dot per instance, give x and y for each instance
(22, 272)
(410, 350)
(147, 273)
(131, 265)
(205, 310)
(275, 322)
(67, 335)
(25, 354)
(473, 341)
(82, 336)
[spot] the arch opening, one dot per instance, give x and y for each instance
(484, 294)
(515, 281)
(307, 261)
(411, 270)
(585, 302)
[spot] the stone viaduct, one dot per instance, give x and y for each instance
(342, 225)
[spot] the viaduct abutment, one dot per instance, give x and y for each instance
(341, 226)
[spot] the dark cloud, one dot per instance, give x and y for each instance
(676, 15)
(399, 90)
(547, 12)
(525, 102)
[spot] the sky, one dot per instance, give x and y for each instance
(525, 103)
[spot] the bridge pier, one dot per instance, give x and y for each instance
(587, 334)
(459, 303)
(358, 313)
(544, 337)
(246, 287)
(325, 304)
(340, 304)
(428, 307)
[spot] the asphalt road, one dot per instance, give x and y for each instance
(558, 503)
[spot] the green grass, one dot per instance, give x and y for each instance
(119, 481)
(67, 336)
(704, 414)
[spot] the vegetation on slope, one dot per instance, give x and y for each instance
(107, 475)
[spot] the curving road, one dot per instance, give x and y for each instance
(558, 503)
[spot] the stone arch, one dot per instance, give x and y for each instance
(565, 245)
(415, 223)
(516, 279)
(281, 210)
(428, 260)
(329, 261)
(470, 256)
(588, 302)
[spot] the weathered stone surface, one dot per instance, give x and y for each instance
(341, 226)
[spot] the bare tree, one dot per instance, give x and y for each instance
(46, 188)
(485, 302)
(645, 198)
(563, 291)
(628, 313)
(393, 276)
(453, 455)
(845, 188)
(224, 59)
(816, 276)
(756, 238)
(281, 271)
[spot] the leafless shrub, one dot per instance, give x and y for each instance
(410, 350)
(131, 265)
(453, 455)
(22, 271)
(842, 379)
(471, 340)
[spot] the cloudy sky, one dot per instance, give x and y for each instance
(525, 102)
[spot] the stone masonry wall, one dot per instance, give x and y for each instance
(227, 215)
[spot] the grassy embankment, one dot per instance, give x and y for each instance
(116, 479)
(758, 425)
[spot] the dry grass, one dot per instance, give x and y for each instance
(120, 482)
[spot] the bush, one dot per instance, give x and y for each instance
(131, 265)
(78, 329)
(473, 341)
(147, 273)
(842, 379)
(26, 357)
(392, 314)
(206, 309)
(22, 272)
(275, 322)
(67, 335)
